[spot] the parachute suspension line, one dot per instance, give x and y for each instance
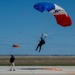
(45, 29)
(45, 34)
(50, 33)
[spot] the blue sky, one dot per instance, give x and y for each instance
(21, 24)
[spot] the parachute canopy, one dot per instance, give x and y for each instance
(60, 14)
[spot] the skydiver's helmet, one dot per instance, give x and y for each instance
(12, 56)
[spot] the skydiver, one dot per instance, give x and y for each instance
(12, 58)
(41, 42)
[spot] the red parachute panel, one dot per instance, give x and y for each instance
(63, 20)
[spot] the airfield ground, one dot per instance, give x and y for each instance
(39, 60)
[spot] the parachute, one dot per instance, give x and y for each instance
(60, 14)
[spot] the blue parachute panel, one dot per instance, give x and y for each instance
(44, 6)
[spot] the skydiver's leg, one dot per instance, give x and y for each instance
(37, 47)
(11, 67)
(13, 64)
(40, 48)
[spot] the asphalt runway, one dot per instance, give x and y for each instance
(38, 70)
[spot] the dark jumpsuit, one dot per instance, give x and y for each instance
(40, 44)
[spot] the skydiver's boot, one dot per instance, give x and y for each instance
(40, 49)
(13, 69)
(10, 69)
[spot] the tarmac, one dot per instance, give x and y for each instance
(38, 70)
